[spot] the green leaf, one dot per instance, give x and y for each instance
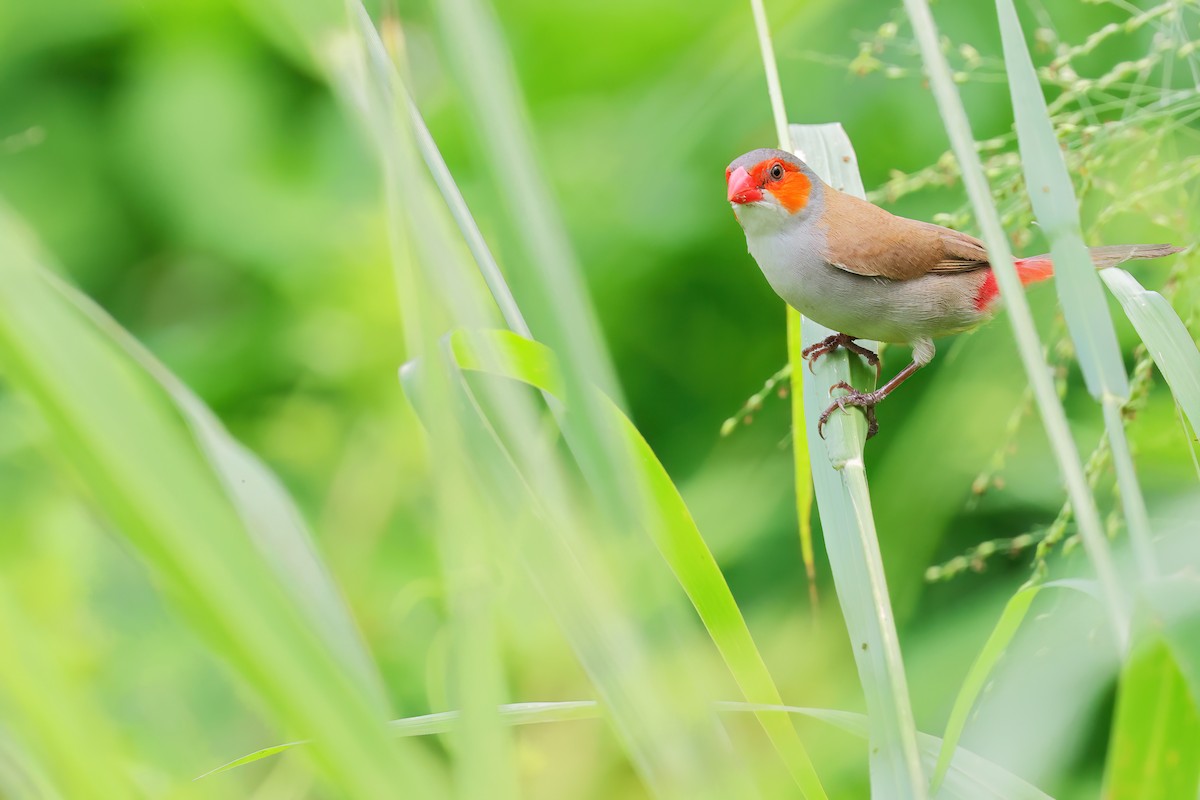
(544, 523)
(847, 521)
(21, 778)
(1154, 752)
(1054, 417)
(1172, 606)
(1165, 336)
(970, 777)
(1075, 277)
(555, 301)
(801, 464)
(997, 642)
(250, 758)
(674, 532)
(445, 721)
(265, 508)
(131, 444)
(60, 724)
(1056, 210)
(802, 470)
(839, 481)
(1015, 611)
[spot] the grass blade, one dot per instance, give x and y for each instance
(844, 504)
(457, 205)
(801, 463)
(266, 510)
(563, 543)
(511, 714)
(47, 709)
(631, 686)
(1057, 212)
(771, 68)
(994, 648)
(1154, 751)
(445, 721)
(21, 778)
(1075, 277)
(469, 556)
(970, 776)
(981, 669)
(840, 483)
(670, 735)
(130, 444)
(1054, 418)
(660, 719)
(800, 460)
(487, 767)
(555, 301)
(1165, 336)
(675, 534)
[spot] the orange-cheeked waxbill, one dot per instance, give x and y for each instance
(853, 267)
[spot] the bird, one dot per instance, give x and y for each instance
(869, 274)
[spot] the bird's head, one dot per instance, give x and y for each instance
(768, 187)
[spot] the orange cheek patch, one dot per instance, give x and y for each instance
(792, 191)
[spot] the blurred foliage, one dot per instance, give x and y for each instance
(191, 173)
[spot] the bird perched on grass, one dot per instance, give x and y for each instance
(869, 274)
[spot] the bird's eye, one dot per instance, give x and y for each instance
(776, 171)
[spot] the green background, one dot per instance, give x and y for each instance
(208, 190)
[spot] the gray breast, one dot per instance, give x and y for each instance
(863, 307)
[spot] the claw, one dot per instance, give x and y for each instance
(824, 344)
(831, 343)
(872, 422)
(864, 400)
(877, 364)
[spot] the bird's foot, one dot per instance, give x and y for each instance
(831, 343)
(825, 346)
(864, 400)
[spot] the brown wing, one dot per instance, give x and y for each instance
(864, 239)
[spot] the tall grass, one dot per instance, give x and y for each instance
(667, 520)
(840, 479)
(1078, 284)
(671, 745)
(848, 524)
(1024, 333)
(549, 510)
(1053, 201)
(130, 443)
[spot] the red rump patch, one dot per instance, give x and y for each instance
(1029, 270)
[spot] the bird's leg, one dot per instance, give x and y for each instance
(923, 351)
(865, 400)
(831, 343)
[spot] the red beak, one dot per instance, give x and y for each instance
(742, 188)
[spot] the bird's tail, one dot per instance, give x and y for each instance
(1039, 268)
